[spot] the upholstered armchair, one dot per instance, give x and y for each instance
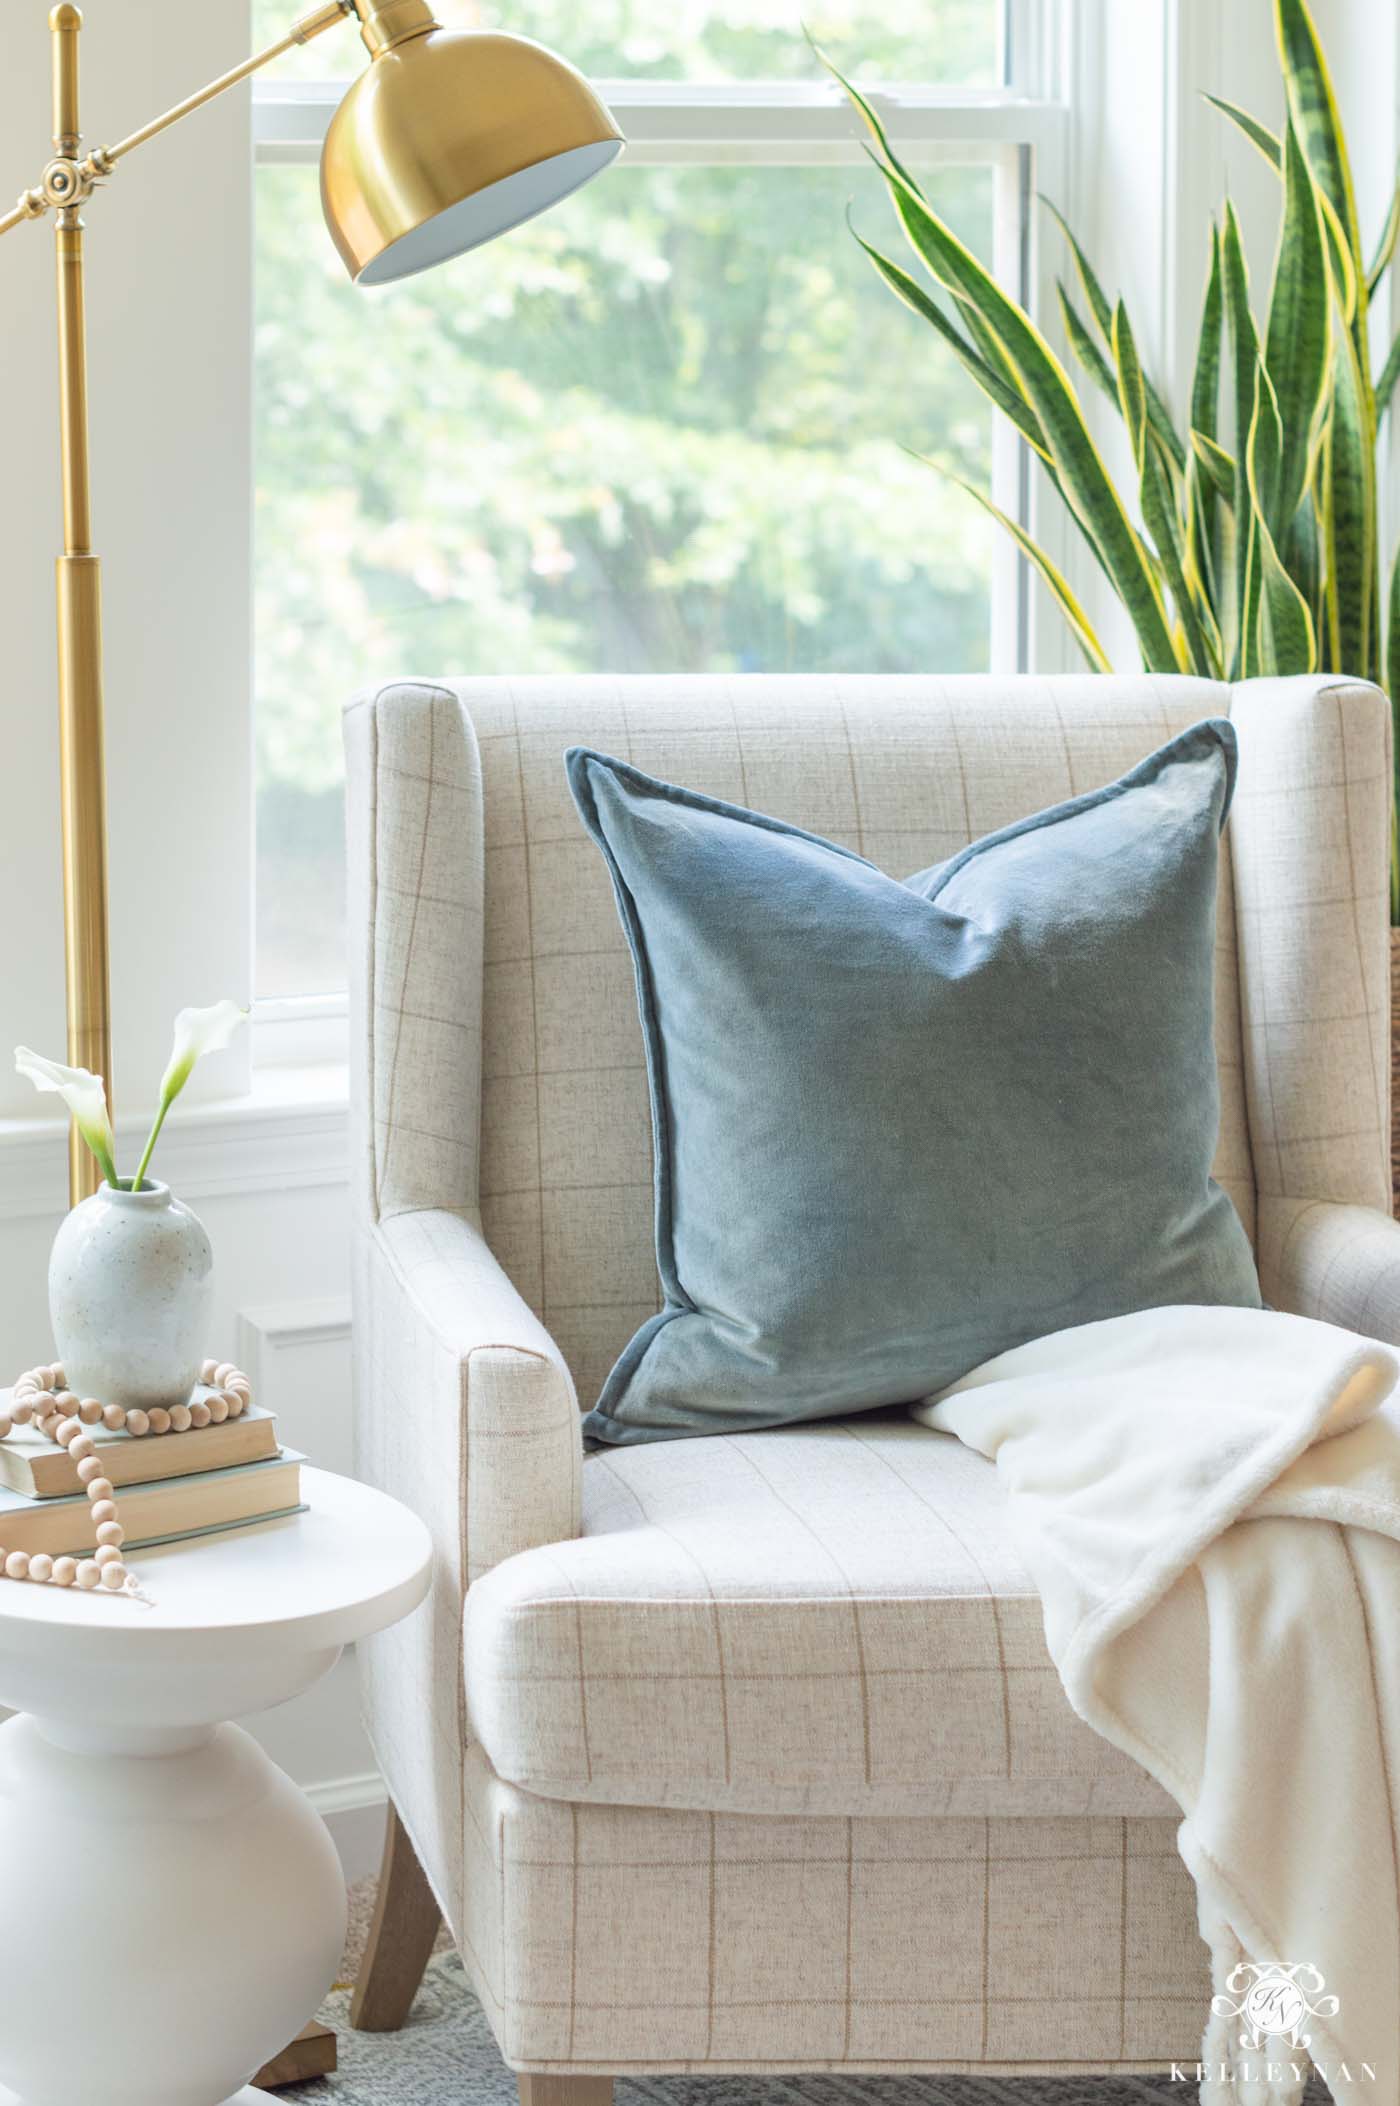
(746, 1753)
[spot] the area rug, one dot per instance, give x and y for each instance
(445, 2056)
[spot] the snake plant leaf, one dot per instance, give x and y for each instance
(867, 111)
(1100, 306)
(1085, 481)
(1301, 552)
(909, 290)
(1312, 106)
(1163, 523)
(1257, 134)
(1347, 475)
(1102, 310)
(1385, 247)
(1205, 380)
(1340, 257)
(1132, 395)
(1083, 346)
(1390, 371)
(1244, 362)
(1060, 589)
(1285, 641)
(1296, 335)
(1219, 465)
(1271, 147)
(1156, 493)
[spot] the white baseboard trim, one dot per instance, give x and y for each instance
(353, 1810)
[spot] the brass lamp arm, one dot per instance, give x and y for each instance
(67, 182)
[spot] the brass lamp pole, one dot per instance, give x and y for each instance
(446, 140)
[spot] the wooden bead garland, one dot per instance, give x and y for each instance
(41, 1394)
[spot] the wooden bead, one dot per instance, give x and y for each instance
(44, 1402)
(110, 1532)
(114, 1417)
(41, 1567)
(114, 1576)
(22, 1410)
(235, 1405)
(138, 1424)
(47, 1376)
(49, 1426)
(199, 1415)
(180, 1419)
(79, 1445)
(57, 1378)
(103, 1510)
(6, 1427)
(92, 1412)
(65, 1571)
(17, 1565)
(67, 1430)
(222, 1372)
(106, 1554)
(89, 1573)
(160, 1420)
(208, 1370)
(66, 1401)
(98, 1487)
(217, 1408)
(89, 1468)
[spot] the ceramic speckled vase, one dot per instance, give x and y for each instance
(129, 1279)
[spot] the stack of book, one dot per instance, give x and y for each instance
(167, 1486)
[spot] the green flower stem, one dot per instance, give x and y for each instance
(104, 1163)
(153, 1137)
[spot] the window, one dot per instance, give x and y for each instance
(668, 427)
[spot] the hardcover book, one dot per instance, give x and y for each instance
(34, 1466)
(156, 1511)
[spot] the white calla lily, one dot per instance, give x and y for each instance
(197, 1032)
(85, 1095)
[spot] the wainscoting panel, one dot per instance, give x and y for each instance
(296, 1353)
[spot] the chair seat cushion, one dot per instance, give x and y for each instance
(818, 1619)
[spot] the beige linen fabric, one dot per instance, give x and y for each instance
(824, 1619)
(1311, 828)
(503, 1254)
(610, 1937)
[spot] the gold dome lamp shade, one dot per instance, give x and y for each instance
(449, 138)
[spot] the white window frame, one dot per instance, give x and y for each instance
(1017, 129)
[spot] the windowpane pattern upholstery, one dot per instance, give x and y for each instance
(826, 1619)
(607, 1937)
(1029, 1909)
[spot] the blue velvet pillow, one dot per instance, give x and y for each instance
(902, 1127)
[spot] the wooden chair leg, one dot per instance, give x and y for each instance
(401, 1937)
(565, 2091)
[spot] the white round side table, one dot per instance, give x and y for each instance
(173, 1908)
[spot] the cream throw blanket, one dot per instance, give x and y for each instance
(1209, 1503)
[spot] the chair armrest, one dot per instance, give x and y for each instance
(1338, 1263)
(465, 1409)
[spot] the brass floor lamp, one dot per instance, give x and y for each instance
(444, 141)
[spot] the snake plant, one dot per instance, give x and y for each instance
(1250, 543)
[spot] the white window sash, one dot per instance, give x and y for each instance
(1018, 135)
